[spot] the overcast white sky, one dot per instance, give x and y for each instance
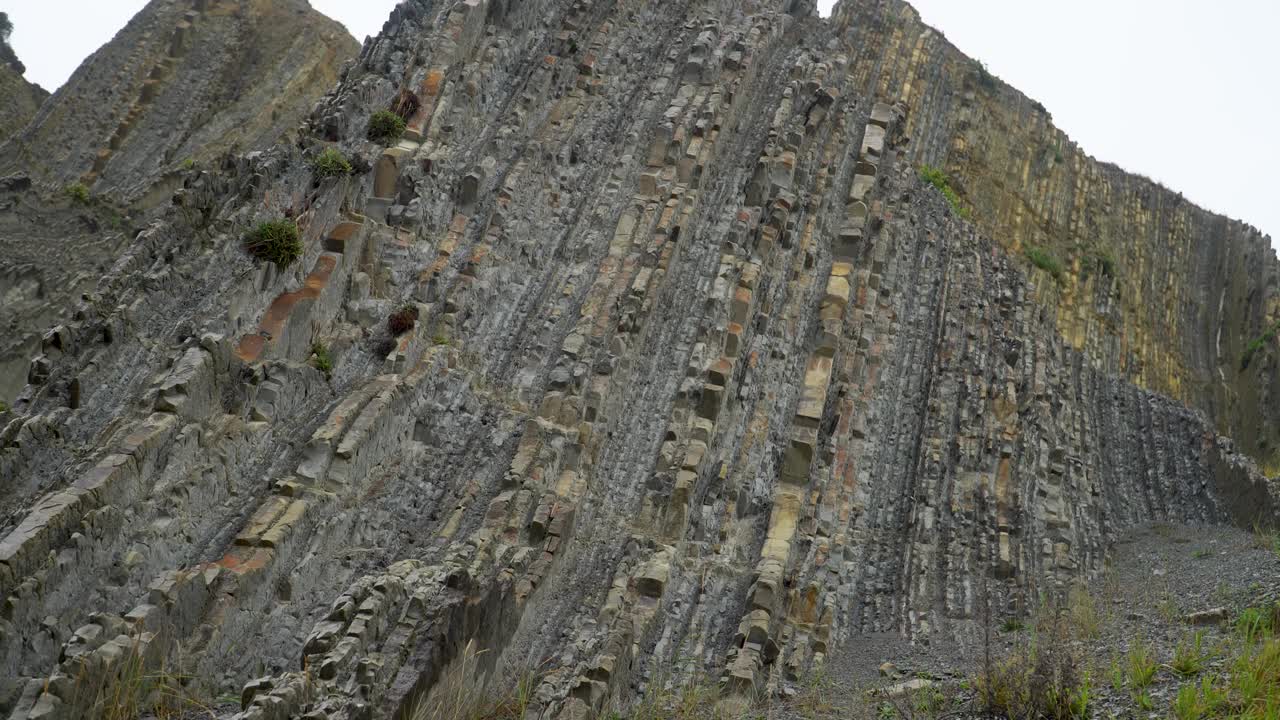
(1184, 91)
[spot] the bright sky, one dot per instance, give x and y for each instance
(1183, 91)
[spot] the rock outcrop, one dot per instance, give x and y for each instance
(1153, 288)
(21, 98)
(53, 249)
(185, 81)
(690, 373)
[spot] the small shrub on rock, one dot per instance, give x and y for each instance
(323, 359)
(78, 192)
(402, 321)
(276, 241)
(330, 163)
(1252, 349)
(1045, 261)
(939, 180)
(385, 127)
(1046, 679)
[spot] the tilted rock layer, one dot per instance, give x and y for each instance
(703, 378)
(186, 80)
(1155, 289)
(21, 100)
(183, 83)
(53, 248)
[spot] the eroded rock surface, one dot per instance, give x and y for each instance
(703, 379)
(184, 81)
(21, 98)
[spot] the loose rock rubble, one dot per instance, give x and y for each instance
(703, 380)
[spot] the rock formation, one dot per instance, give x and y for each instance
(690, 373)
(21, 98)
(53, 249)
(184, 81)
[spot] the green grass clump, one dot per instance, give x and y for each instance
(330, 163)
(1199, 701)
(1249, 686)
(1254, 624)
(1141, 665)
(322, 359)
(939, 180)
(1012, 625)
(276, 241)
(1045, 261)
(1190, 656)
(461, 693)
(1046, 679)
(385, 127)
(1257, 344)
(78, 192)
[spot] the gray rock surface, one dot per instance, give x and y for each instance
(703, 379)
(21, 98)
(185, 80)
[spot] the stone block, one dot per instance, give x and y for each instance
(881, 115)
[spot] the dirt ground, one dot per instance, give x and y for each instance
(1158, 579)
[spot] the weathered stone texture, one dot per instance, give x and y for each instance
(21, 100)
(1155, 289)
(702, 376)
(184, 80)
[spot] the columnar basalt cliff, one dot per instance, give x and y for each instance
(690, 373)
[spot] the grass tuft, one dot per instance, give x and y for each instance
(385, 127)
(1140, 665)
(78, 192)
(125, 688)
(1047, 678)
(939, 180)
(330, 163)
(1045, 261)
(1189, 657)
(322, 359)
(1258, 344)
(405, 104)
(276, 241)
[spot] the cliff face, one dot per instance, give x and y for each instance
(1153, 288)
(21, 98)
(53, 249)
(697, 373)
(185, 80)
